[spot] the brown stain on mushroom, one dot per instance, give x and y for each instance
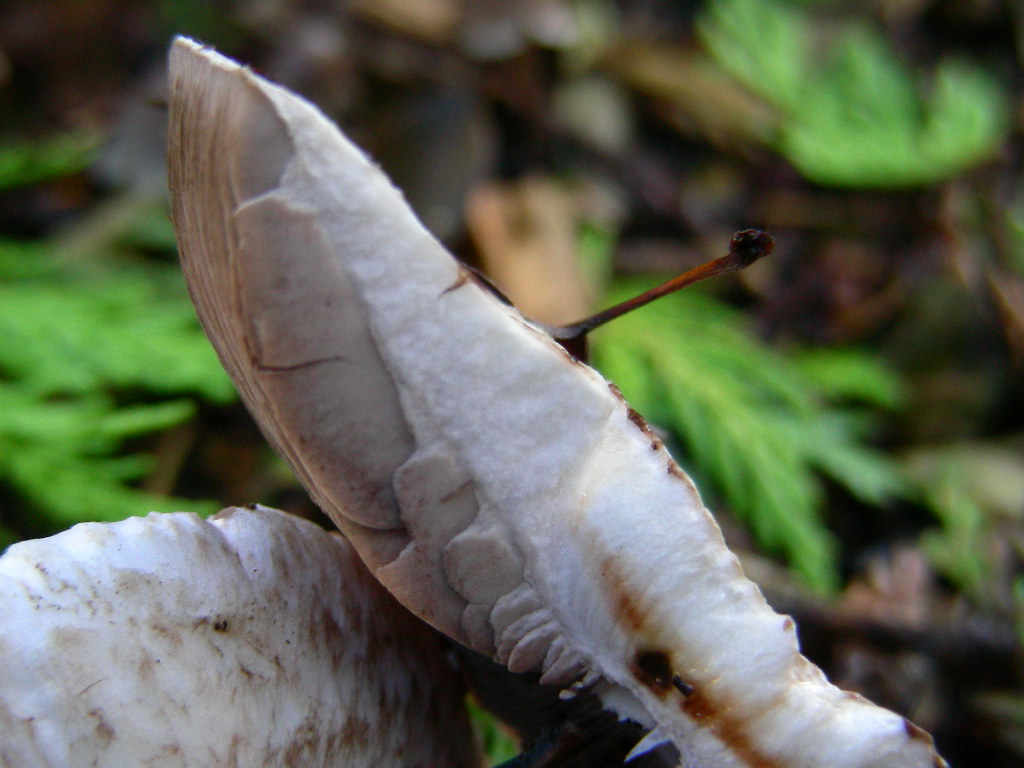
(626, 611)
(105, 733)
(652, 668)
(718, 717)
(640, 423)
(634, 416)
(676, 471)
(917, 733)
(643, 426)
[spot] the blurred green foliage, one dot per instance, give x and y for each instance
(24, 162)
(762, 427)
(494, 739)
(976, 491)
(199, 19)
(851, 114)
(93, 353)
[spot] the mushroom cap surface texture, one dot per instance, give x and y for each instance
(501, 490)
(253, 639)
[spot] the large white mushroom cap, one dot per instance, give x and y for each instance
(252, 639)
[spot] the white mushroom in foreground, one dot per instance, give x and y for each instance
(253, 639)
(500, 489)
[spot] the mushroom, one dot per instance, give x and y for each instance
(500, 489)
(253, 639)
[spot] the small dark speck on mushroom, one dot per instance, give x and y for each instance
(684, 688)
(220, 625)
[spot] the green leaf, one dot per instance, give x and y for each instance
(764, 45)
(846, 374)
(93, 354)
(61, 455)
(73, 332)
(854, 115)
(868, 474)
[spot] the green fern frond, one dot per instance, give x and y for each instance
(850, 375)
(855, 116)
(976, 492)
(61, 454)
(75, 339)
(751, 421)
(65, 331)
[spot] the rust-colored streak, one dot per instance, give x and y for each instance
(639, 422)
(628, 611)
(699, 707)
(625, 609)
(917, 733)
(655, 672)
(675, 470)
(718, 718)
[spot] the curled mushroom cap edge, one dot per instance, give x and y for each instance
(253, 638)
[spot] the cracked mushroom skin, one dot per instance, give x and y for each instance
(253, 639)
(500, 489)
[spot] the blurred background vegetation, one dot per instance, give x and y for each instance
(852, 407)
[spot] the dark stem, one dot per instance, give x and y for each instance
(745, 248)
